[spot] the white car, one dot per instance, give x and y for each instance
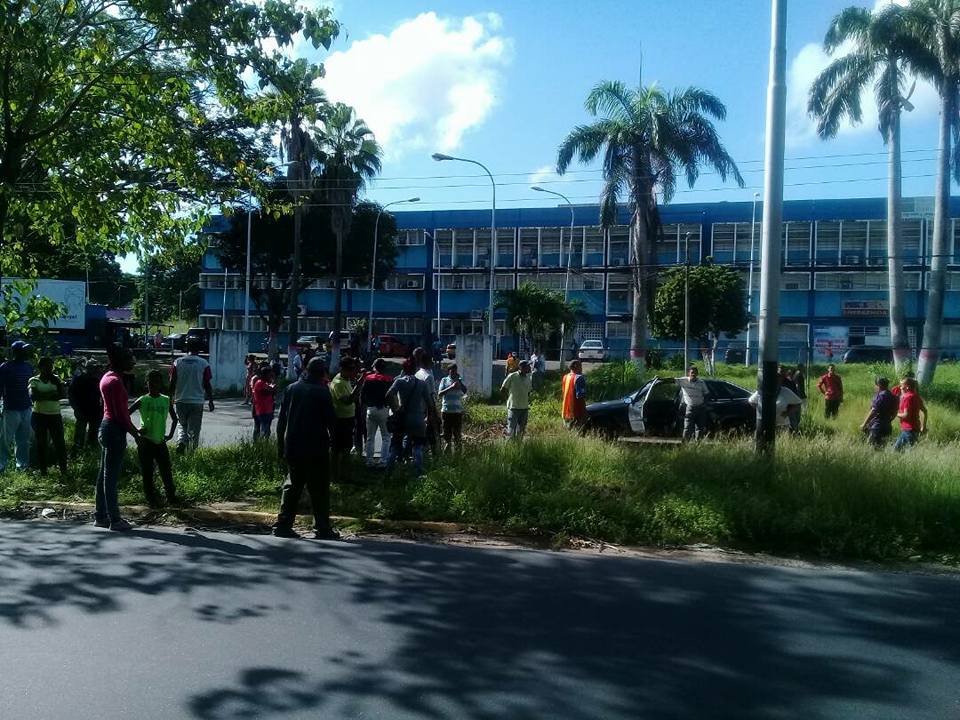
(592, 350)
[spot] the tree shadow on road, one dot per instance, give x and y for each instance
(507, 634)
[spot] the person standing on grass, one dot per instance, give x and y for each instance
(15, 377)
(84, 396)
(190, 384)
(787, 400)
(451, 394)
(304, 429)
(113, 438)
(46, 389)
(374, 398)
(912, 413)
(574, 402)
(264, 392)
(250, 363)
(414, 407)
(517, 385)
(831, 387)
(154, 409)
(898, 388)
(344, 396)
(694, 393)
(425, 375)
(878, 424)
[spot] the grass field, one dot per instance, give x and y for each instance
(825, 493)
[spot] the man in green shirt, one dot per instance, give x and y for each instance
(344, 396)
(154, 408)
(517, 386)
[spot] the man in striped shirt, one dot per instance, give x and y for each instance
(17, 408)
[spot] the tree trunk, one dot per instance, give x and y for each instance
(293, 329)
(899, 339)
(932, 328)
(638, 326)
(338, 292)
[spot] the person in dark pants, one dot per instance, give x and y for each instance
(84, 396)
(113, 439)
(344, 395)
(154, 409)
(304, 428)
(879, 421)
(831, 387)
(46, 389)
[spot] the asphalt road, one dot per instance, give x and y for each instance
(176, 624)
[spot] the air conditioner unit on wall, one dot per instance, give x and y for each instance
(301, 310)
(476, 314)
(413, 284)
(851, 259)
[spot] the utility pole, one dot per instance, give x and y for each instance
(769, 318)
(753, 228)
(686, 302)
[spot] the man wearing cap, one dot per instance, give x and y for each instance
(517, 385)
(15, 377)
(190, 378)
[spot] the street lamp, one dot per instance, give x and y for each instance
(753, 227)
(493, 229)
(373, 268)
(566, 281)
(686, 302)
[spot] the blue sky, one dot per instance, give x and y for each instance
(503, 81)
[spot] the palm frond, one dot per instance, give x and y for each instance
(835, 93)
(584, 142)
(852, 23)
(611, 98)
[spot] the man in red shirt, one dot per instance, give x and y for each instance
(912, 407)
(831, 387)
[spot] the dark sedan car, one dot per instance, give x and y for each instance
(657, 409)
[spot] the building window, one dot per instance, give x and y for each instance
(406, 238)
(463, 326)
(404, 281)
(593, 247)
(619, 294)
(797, 243)
(746, 236)
(472, 281)
(853, 242)
(529, 247)
(788, 280)
(911, 233)
(216, 281)
(618, 253)
(724, 242)
(862, 281)
(505, 247)
(482, 244)
(618, 329)
(398, 326)
(571, 242)
(877, 243)
(549, 247)
(463, 247)
(443, 248)
(828, 242)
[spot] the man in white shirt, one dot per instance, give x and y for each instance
(190, 385)
(517, 385)
(425, 373)
(694, 391)
(787, 400)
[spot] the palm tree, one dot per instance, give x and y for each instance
(935, 26)
(293, 90)
(346, 156)
(876, 59)
(646, 137)
(533, 312)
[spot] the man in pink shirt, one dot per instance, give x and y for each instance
(113, 439)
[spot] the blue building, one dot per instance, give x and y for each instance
(833, 285)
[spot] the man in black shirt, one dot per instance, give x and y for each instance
(84, 396)
(303, 439)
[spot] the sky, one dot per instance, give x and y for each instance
(504, 81)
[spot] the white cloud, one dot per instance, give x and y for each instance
(809, 62)
(545, 174)
(425, 84)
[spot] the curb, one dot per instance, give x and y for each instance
(264, 519)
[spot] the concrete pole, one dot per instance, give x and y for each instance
(686, 302)
(373, 267)
(246, 299)
(753, 228)
(769, 318)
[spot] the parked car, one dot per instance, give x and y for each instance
(310, 342)
(451, 351)
(176, 341)
(657, 409)
(868, 354)
(201, 336)
(345, 339)
(592, 350)
(392, 347)
(734, 356)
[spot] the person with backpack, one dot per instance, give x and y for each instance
(878, 424)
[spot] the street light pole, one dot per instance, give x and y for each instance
(373, 268)
(753, 227)
(566, 280)
(246, 299)
(769, 319)
(686, 302)
(493, 230)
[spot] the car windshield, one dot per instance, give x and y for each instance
(592, 345)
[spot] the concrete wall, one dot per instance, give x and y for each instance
(227, 351)
(475, 362)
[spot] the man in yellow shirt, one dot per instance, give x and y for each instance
(344, 396)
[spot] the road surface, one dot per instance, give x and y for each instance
(167, 623)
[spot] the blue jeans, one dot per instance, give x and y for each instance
(907, 438)
(113, 444)
(261, 425)
(16, 429)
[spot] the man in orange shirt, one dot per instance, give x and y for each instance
(574, 396)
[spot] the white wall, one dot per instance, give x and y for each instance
(475, 362)
(227, 351)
